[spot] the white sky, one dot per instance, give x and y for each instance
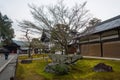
(19, 10)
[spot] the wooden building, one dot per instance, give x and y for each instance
(23, 46)
(45, 39)
(103, 40)
(12, 47)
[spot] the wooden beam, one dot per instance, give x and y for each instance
(106, 40)
(118, 32)
(101, 45)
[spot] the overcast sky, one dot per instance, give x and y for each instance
(19, 10)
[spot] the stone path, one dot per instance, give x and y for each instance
(7, 67)
(101, 58)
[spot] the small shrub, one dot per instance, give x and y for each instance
(61, 69)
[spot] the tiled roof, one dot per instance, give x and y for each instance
(108, 24)
(103, 26)
(21, 43)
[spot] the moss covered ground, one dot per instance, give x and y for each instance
(81, 70)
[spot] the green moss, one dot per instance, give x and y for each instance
(33, 56)
(82, 70)
(20, 72)
(23, 57)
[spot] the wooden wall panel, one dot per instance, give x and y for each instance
(85, 49)
(111, 49)
(91, 49)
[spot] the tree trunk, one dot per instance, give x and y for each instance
(66, 49)
(29, 51)
(78, 49)
(62, 50)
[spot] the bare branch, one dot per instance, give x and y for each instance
(61, 22)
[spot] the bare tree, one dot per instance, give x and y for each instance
(26, 31)
(61, 22)
(37, 44)
(94, 22)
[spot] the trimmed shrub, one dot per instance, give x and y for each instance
(61, 69)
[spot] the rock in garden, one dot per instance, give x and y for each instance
(65, 59)
(26, 61)
(101, 67)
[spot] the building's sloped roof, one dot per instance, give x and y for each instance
(103, 26)
(21, 43)
(108, 24)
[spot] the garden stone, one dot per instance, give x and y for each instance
(26, 61)
(66, 59)
(60, 63)
(73, 58)
(101, 67)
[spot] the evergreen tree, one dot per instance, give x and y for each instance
(6, 30)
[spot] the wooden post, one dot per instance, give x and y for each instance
(78, 47)
(118, 33)
(101, 46)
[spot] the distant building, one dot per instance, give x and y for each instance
(45, 38)
(12, 47)
(23, 46)
(101, 41)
